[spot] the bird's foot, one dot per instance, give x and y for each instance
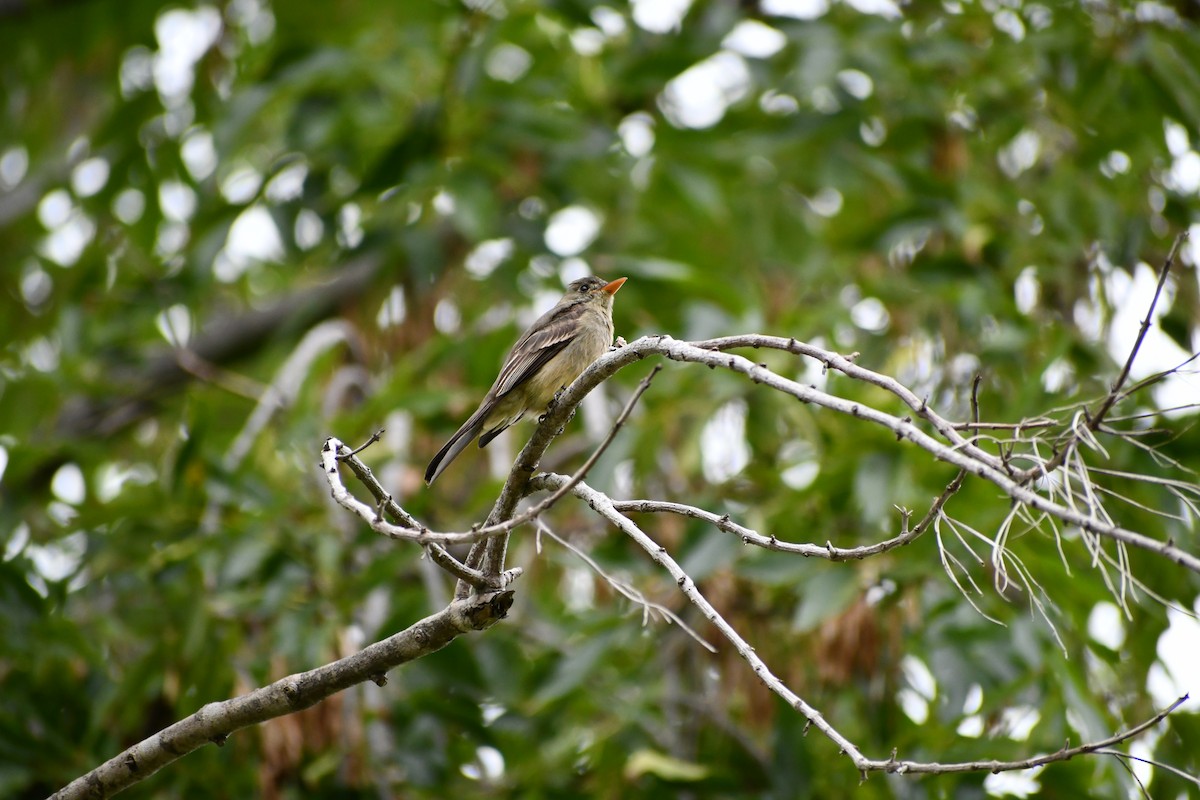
(618, 344)
(553, 402)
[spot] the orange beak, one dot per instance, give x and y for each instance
(612, 287)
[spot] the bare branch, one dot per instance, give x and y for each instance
(343, 454)
(1065, 754)
(847, 367)
(1099, 414)
(216, 721)
(603, 506)
(1157, 377)
(606, 508)
(1026, 425)
(750, 536)
(827, 551)
(961, 452)
(1095, 418)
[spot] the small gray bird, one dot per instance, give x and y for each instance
(553, 352)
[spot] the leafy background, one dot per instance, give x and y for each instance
(354, 204)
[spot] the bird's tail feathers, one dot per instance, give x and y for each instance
(458, 442)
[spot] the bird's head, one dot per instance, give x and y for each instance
(593, 288)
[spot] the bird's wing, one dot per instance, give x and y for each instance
(545, 339)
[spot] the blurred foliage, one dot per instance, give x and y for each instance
(879, 183)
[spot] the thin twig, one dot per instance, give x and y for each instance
(1065, 754)
(374, 438)
(1098, 415)
(1006, 426)
(631, 593)
(1150, 380)
(1174, 770)
(387, 504)
(750, 536)
(1095, 418)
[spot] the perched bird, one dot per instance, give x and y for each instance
(553, 352)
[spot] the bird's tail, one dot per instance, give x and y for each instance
(458, 442)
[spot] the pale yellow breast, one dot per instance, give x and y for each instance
(591, 343)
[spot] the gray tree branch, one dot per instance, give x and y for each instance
(957, 450)
(606, 508)
(603, 505)
(483, 572)
(216, 721)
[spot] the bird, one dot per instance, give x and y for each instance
(550, 354)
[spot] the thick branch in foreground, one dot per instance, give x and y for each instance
(216, 721)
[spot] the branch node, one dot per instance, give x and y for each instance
(379, 679)
(220, 739)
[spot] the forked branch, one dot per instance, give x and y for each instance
(609, 511)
